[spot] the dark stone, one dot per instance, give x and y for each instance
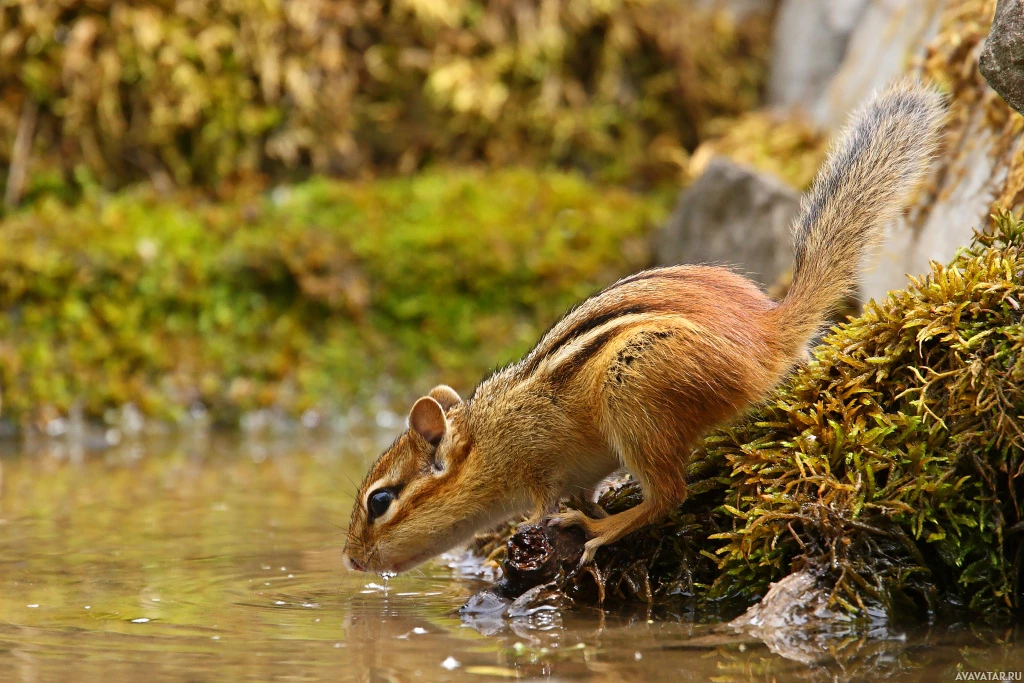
(1002, 56)
(736, 216)
(535, 556)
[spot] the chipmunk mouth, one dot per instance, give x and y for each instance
(351, 563)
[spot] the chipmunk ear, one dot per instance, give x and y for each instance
(446, 396)
(427, 419)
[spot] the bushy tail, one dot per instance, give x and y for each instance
(881, 155)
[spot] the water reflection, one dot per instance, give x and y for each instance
(206, 557)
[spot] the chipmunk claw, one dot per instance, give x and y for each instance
(589, 550)
(524, 525)
(571, 518)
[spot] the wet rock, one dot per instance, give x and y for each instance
(808, 46)
(732, 215)
(536, 555)
(544, 598)
(1002, 57)
(795, 620)
(486, 602)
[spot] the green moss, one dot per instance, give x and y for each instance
(894, 459)
(307, 297)
(890, 466)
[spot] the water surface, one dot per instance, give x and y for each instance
(206, 557)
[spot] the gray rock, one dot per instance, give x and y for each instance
(886, 34)
(808, 45)
(968, 181)
(796, 620)
(1002, 58)
(732, 215)
(828, 56)
(880, 37)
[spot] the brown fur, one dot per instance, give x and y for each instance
(637, 373)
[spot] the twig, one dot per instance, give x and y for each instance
(21, 153)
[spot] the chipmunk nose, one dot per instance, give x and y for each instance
(352, 564)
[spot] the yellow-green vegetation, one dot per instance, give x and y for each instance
(302, 298)
(891, 465)
(789, 148)
(199, 92)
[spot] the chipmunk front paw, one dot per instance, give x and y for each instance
(576, 518)
(570, 518)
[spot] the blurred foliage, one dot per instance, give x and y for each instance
(790, 148)
(890, 466)
(303, 297)
(200, 92)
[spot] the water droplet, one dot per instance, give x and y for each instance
(32, 605)
(140, 620)
(214, 637)
(637, 656)
(280, 602)
(419, 631)
(450, 663)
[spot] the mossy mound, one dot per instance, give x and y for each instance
(894, 459)
(890, 466)
(303, 298)
(199, 92)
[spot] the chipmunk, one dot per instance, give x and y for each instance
(634, 375)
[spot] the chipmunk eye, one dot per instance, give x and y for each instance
(380, 501)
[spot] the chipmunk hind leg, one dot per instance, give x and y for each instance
(649, 422)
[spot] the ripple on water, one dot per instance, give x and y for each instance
(190, 559)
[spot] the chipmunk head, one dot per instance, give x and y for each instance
(412, 504)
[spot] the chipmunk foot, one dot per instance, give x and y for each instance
(571, 518)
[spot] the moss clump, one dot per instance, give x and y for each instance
(302, 298)
(890, 466)
(197, 92)
(894, 459)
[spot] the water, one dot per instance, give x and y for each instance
(202, 558)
